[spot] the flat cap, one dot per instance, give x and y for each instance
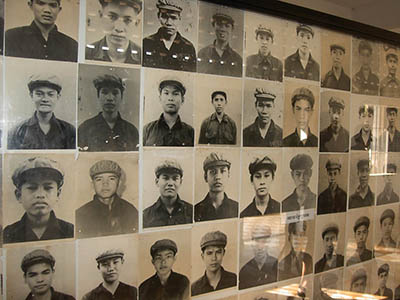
(108, 80)
(215, 159)
(213, 238)
(358, 274)
(262, 163)
(391, 166)
(329, 280)
(304, 27)
(172, 82)
(219, 16)
(333, 164)
(336, 102)
(331, 227)
(338, 46)
(48, 80)
(164, 244)
(44, 165)
(264, 29)
(364, 45)
(171, 5)
(361, 221)
(261, 232)
(168, 166)
(263, 95)
(135, 4)
(36, 257)
(111, 253)
(387, 213)
(391, 52)
(383, 269)
(303, 93)
(301, 162)
(105, 166)
(362, 163)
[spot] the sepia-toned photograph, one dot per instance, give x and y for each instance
(387, 189)
(389, 134)
(383, 281)
(386, 220)
(332, 280)
(389, 63)
(358, 278)
(108, 108)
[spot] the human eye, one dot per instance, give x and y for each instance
(112, 17)
(31, 274)
(46, 271)
(257, 175)
(53, 5)
(48, 187)
(128, 20)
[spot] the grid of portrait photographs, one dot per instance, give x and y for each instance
(178, 149)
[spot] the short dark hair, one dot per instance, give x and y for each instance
(390, 109)
(366, 109)
(292, 229)
(215, 93)
(364, 45)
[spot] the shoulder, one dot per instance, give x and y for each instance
(231, 202)
(65, 124)
(229, 275)
(132, 290)
(145, 284)
(181, 278)
(206, 50)
(67, 39)
(251, 59)
(87, 207)
(291, 58)
(187, 126)
(11, 230)
(62, 296)
(66, 227)
(187, 205)
(88, 123)
(186, 41)
(151, 38)
(17, 31)
(127, 205)
(150, 125)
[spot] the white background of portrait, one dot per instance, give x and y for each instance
(325, 120)
(375, 56)
(63, 278)
(341, 179)
(367, 266)
(378, 229)
(89, 277)
(317, 281)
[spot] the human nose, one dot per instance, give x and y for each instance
(119, 25)
(40, 192)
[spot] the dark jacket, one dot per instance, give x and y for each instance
(328, 204)
(264, 67)
(123, 292)
(327, 143)
(291, 203)
(176, 288)
(54, 296)
(356, 201)
(205, 211)
(250, 275)
(362, 85)
(294, 68)
(253, 138)
(285, 270)
(355, 259)
(321, 265)
(273, 207)
(293, 140)
(387, 293)
(214, 132)
(202, 285)
(330, 81)
(357, 142)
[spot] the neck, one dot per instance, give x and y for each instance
(170, 119)
(221, 45)
(363, 188)
(262, 200)
(45, 29)
(168, 201)
(213, 275)
(44, 117)
(113, 48)
(110, 117)
(169, 38)
(361, 248)
(111, 286)
(264, 125)
(39, 221)
(304, 55)
(106, 201)
(217, 197)
(164, 277)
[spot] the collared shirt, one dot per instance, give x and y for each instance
(158, 133)
(181, 56)
(273, 207)
(21, 231)
(158, 215)
(229, 64)
(264, 67)
(28, 42)
(96, 135)
(330, 81)
(293, 140)
(97, 51)
(291, 265)
(123, 292)
(291, 202)
(390, 87)
(176, 288)
(386, 198)
(202, 285)
(294, 68)
(215, 132)
(357, 142)
(250, 275)
(54, 296)
(328, 143)
(98, 219)
(205, 210)
(356, 258)
(356, 201)
(388, 293)
(252, 136)
(388, 143)
(329, 203)
(322, 264)
(362, 85)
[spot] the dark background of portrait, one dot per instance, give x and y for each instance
(324, 118)
(341, 179)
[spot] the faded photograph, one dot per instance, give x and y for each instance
(365, 129)
(257, 295)
(358, 279)
(388, 191)
(386, 229)
(390, 83)
(327, 283)
(389, 138)
(384, 283)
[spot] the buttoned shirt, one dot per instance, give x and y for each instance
(356, 258)
(21, 231)
(29, 135)
(210, 62)
(386, 198)
(176, 288)
(28, 42)
(388, 293)
(390, 87)
(96, 135)
(291, 265)
(356, 201)
(273, 207)
(202, 285)
(123, 292)
(294, 68)
(251, 275)
(332, 202)
(322, 264)
(99, 51)
(264, 67)
(330, 81)
(158, 215)
(252, 136)
(205, 210)
(54, 296)
(215, 132)
(357, 142)
(328, 143)
(98, 219)
(362, 85)
(291, 202)
(158, 133)
(293, 140)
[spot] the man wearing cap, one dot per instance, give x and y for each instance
(165, 284)
(359, 281)
(302, 197)
(330, 259)
(363, 196)
(303, 107)
(38, 182)
(215, 277)
(390, 85)
(333, 199)
(107, 213)
(263, 65)
(364, 81)
(167, 48)
(301, 64)
(361, 253)
(169, 130)
(38, 267)
(43, 130)
(218, 128)
(110, 264)
(262, 268)
(386, 245)
(169, 209)
(292, 265)
(364, 139)
(390, 139)
(219, 58)
(327, 280)
(262, 174)
(108, 131)
(41, 39)
(383, 290)
(116, 45)
(264, 132)
(335, 138)
(336, 78)
(216, 205)
(388, 195)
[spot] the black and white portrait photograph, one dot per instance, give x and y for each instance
(40, 197)
(217, 174)
(220, 40)
(264, 46)
(389, 123)
(108, 108)
(164, 266)
(327, 283)
(263, 120)
(167, 198)
(386, 220)
(168, 108)
(43, 110)
(389, 63)
(170, 34)
(42, 29)
(41, 272)
(218, 110)
(108, 191)
(357, 279)
(387, 189)
(383, 278)
(114, 31)
(107, 268)
(214, 257)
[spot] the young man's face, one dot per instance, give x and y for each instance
(363, 175)
(39, 278)
(302, 111)
(45, 12)
(110, 268)
(110, 99)
(212, 257)
(332, 176)
(304, 39)
(335, 114)
(301, 178)
(337, 57)
(359, 285)
(387, 227)
(262, 180)
(163, 261)
(361, 236)
(45, 99)
(216, 177)
(392, 116)
(105, 185)
(264, 110)
(169, 184)
(389, 178)
(169, 21)
(265, 42)
(392, 63)
(366, 121)
(171, 99)
(219, 103)
(382, 279)
(365, 57)
(223, 31)
(260, 248)
(330, 242)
